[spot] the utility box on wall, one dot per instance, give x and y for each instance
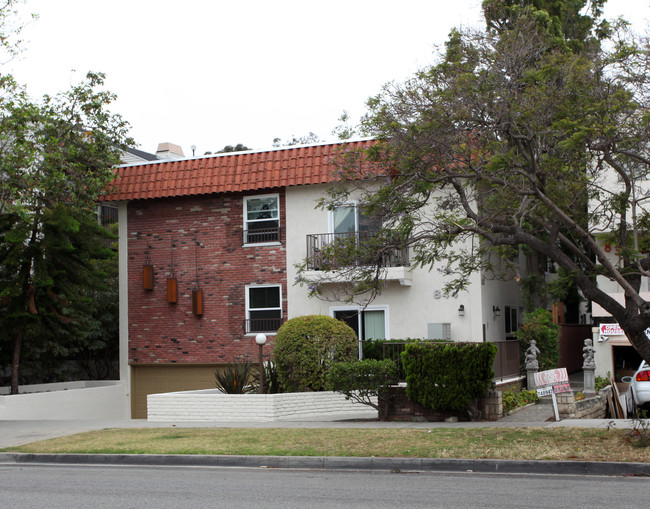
(439, 331)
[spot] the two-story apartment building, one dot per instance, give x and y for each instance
(209, 249)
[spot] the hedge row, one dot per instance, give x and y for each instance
(448, 376)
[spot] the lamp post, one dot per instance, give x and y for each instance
(260, 339)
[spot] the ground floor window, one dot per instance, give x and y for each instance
(512, 316)
(263, 308)
(367, 323)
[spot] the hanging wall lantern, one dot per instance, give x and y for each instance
(172, 290)
(197, 302)
(172, 283)
(148, 277)
(197, 294)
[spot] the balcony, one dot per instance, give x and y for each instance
(394, 261)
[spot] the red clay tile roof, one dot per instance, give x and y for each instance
(244, 171)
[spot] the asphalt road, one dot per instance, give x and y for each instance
(34, 486)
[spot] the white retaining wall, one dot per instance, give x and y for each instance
(69, 400)
(212, 405)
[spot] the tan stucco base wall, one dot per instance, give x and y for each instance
(154, 379)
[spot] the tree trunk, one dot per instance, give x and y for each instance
(537, 291)
(15, 361)
(640, 342)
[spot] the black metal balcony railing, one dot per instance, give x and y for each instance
(259, 235)
(317, 242)
(393, 351)
(266, 325)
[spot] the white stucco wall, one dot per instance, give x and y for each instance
(212, 405)
(410, 308)
(123, 256)
(603, 351)
(501, 294)
(69, 400)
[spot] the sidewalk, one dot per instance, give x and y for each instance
(14, 433)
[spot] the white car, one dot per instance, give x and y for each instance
(639, 388)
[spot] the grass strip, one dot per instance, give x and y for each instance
(578, 444)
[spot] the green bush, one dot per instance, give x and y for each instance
(363, 380)
(306, 347)
(237, 378)
(513, 399)
(601, 382)
(373, 349)
(448, 376)
(538, 325)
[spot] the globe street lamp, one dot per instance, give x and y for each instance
(260, 339)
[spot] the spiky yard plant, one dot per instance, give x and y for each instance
(236, 378)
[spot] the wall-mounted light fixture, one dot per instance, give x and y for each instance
(461, 310)
(197, 294)
(172, 283)
(496, 310)
(197, 302)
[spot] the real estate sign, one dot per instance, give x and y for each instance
(552, 382)
(611, 329)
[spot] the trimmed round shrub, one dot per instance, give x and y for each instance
(307, 346)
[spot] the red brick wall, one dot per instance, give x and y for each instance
(160, 332)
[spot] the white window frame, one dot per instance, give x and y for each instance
(352, 204)
(360, 310)
(248, 308)
(246, 221)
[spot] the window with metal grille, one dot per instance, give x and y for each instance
(261, 219)
(263, 308)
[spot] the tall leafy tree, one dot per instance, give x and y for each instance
(531, 134)
(56, 157)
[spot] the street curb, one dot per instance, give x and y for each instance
(338, 463)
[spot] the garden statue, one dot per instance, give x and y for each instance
(531, 356)
(588, 355)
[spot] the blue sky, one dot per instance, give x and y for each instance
(212, 73)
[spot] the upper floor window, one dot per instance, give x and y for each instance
(351, 219)
(261, 219)
(107, 215)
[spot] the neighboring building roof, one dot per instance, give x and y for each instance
(135, 156)
(230, 172)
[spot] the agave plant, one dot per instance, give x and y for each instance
(236, 378)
